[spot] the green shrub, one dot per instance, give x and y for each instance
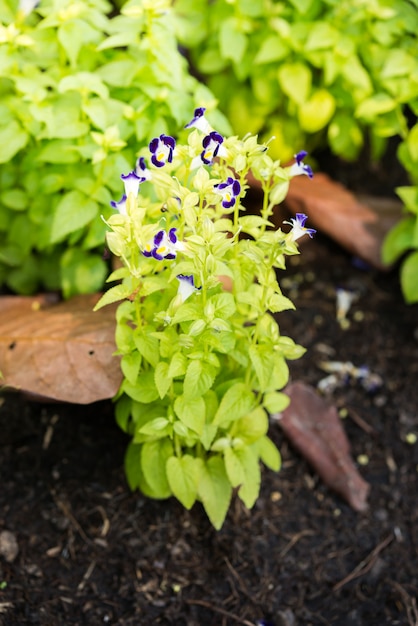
(79, 87)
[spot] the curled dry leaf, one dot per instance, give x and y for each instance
(314, 428)
(61, 351)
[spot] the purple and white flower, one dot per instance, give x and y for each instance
(131, 182)
(141, 170)
(199, 121)
(186, 286)
(162, 149)
(121, 205)
(27, 6)
(163, 245)
(211, 147)
(229, 191)
(300, 167)
(298, 227)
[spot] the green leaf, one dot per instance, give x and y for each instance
(272, 49)
(12, 140)
(234, 468)
(278, 303)
(192, 412)
(253, 426)
(295, 79)
(15, 199)
(199, 378)
(224, 305)
(232, 42)
(148, 346)
(377, 104)
(184, 476)
(82, 272)
(74, 211)
(178, 365)
(315, 113)
(133, 466)
(275, 402)
(237, 401)
(398, 240)
(144, 390)
(114, 294)
(154, 457)
(409, 280)
(162, 379)
(157, 428)
(215, 490)
(269, 454)
(130, 365)
(249, 490)
(322, 35)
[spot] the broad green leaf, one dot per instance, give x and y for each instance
(237, 401)
(130, 364)
(192, 412)
(278, 303)
(409, 278)
(224, 305)
(261, 364)
(123, 412)
(12, 139)
(272, 49)
(15, 199)
(232, 42)
(178, 365)
(162, 379)
(82, 272)
(184, 476)
(74, 211)
(154, 457)
(398, 240)
(234, 468)
(215, 490)
(322, 35)
(269, 454)
(249, 490)
(148, 346)
(133, 466)
(315, 113)
(253, 426)
(144, 390)
(199, 378)
(118, 73)
(295, 79)
(412, 142)
(399, 63)
(377, 104)
(275, 402)
(157, 428)
(114, 294)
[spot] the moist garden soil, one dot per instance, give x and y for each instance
(91, 552)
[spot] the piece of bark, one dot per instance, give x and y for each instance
(314, 429)
(358, 223)
(61, 351)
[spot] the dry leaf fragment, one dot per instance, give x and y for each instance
(314, 428)
(62, 351)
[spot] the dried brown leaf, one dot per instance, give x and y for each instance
(62, 351)
(314, 428)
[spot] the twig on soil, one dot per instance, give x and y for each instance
(365, 565)
(294, 541)
(65, 508)
(216, 609)
(361, 423)
(86, 576)
(409, 603)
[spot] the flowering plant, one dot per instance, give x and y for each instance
(201, 353)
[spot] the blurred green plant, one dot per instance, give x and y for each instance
(80, 84)
(317, 73)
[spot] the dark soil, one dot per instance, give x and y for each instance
(91, 552)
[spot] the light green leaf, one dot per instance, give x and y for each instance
(249, 490)
(377, 104)
(157, 428)
(322, 35)
(232, 42)
(253, 426)
(114, 294)
(272, 49)
(144, 390)
(278, 303)
(192, 412)
(154, 457)
(234, 468)
(215, 490)
(398, 240)
(199, 378)
(269, 454)
(130, 364)
(162, 379)
(81, 272)
(74, 211)
(276, 402)
(12, 139)
(148, 346)
(409, 278)
(236, 403)
(295, 79)
(184, 476)
(315, 113)
(178, 365)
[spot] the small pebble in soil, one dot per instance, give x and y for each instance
(362, 459)
(411, 438)
(9, 548)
